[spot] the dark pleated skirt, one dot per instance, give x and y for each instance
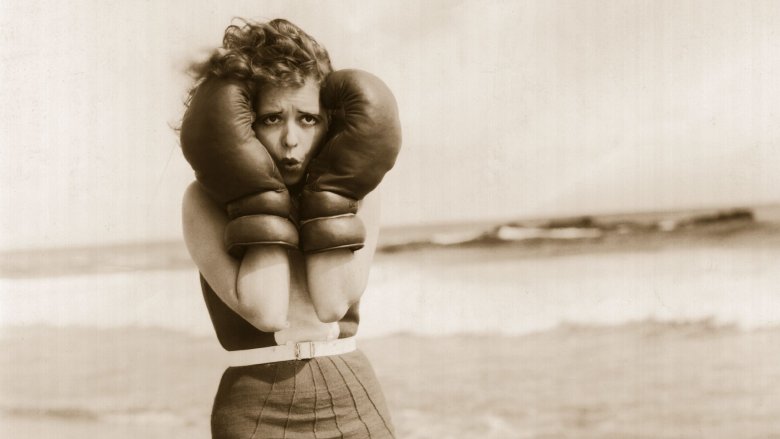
(325, 397)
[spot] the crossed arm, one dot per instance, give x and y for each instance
(336, 279)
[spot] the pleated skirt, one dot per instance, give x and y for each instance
(320, 398)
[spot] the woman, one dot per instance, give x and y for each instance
(283, 149)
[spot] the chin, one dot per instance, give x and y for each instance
(292, 180)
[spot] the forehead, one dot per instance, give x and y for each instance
(304, 98)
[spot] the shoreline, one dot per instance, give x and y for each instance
(574, 381)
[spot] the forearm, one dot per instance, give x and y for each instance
(240, 284)
(337, 278)
(263, 286)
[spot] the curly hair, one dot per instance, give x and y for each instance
(277, 52)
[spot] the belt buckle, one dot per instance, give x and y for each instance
(304, 350)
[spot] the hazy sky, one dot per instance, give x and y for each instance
(509, 109)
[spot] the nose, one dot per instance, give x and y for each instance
(290, 136)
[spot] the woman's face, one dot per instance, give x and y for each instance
(290, 124)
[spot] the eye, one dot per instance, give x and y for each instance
(310, 120)
(271, 119)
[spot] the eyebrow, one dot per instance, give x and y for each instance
(308, 111)
(275, 111)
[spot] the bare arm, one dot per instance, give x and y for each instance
(242, 285)
(337, 278)
(263, 287)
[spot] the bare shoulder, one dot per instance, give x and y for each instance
(196, 197)
(203, 225)
(369, 209)
(198, 206)
(369, 213)
(203, 221)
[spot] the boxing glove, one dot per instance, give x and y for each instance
(235, 168)
(363, 141)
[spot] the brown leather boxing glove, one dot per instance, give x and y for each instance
(235, 168)
(363, 142)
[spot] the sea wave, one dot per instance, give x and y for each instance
(458, 290)
(587, 230)
(720, 265)
(580, 228)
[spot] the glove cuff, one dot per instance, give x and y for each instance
(269, 202)
(259, 230)
(324, 234)
(317, 204)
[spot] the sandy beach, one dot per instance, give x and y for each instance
(638, 380)
(663, 336)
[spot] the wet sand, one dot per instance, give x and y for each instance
(645, 379)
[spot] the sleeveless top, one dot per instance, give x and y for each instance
(234, 333)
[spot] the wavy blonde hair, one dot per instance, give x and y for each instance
(277, 52)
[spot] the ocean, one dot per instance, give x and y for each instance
(653, 325)
(447, 280)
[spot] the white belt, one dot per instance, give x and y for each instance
(291, 351)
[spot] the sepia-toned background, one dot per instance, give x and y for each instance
(579, 237)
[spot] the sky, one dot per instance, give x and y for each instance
(509, 109)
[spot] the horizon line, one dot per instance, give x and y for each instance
(391, 228)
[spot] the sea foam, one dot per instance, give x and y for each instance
(450, 291)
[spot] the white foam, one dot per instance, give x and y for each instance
(510, 296)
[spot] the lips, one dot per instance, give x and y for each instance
(290, 164)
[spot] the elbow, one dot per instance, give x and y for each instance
(264, 321)
(263, 310)
(332, 301)
(332, 312)
(336, 281)
(254, 312)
